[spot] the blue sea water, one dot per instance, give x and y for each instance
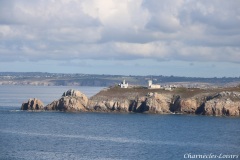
(62, 135)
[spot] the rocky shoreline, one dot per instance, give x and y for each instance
(142, 100)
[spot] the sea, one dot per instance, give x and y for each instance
(55, 135)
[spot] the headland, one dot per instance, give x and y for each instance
(215, 101)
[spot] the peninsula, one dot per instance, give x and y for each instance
(215, 101)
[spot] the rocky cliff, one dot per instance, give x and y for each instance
(140, 100)
(71, 100)
(223, 103)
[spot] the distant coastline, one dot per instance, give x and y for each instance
(61, 79)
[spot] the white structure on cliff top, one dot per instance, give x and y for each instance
(124, 84)
(153, 86)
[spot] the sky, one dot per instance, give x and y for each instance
(195, 38)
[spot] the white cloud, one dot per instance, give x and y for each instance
(125, 14)
(129, 29)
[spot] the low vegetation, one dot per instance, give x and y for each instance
(142, 91)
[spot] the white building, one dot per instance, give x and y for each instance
(168, 88)
(124, 84)
(153, 86)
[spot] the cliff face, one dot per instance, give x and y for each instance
(141, 101)
(223, 103)
(109, 105)
(152, 103)
(222, 107)
(185, 105)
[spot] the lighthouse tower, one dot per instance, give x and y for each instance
(149, 83)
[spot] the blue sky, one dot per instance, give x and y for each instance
(130, 37)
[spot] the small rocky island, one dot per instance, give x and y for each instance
(217, 102)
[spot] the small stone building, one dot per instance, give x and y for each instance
(153, 86)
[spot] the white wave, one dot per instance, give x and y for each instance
(119, 139)
(15, 110)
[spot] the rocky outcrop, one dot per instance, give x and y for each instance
(222, 108)
(109, 105)
(185, 105)
(152, 103)
(72, 100)
(223, 104)
(159, 103)
(217, 104)
(33, 104)
(188, 105)
(74, 93)
(67, 104)
(206, 104)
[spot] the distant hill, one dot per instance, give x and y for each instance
(63, 79)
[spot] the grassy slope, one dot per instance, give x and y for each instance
(131, 93)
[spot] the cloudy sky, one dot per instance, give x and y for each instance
(129, 37)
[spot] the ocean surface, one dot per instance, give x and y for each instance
(59, 135)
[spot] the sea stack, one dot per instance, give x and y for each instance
(33, 104)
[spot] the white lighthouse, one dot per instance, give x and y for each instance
(149, 83)
(124, 84)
